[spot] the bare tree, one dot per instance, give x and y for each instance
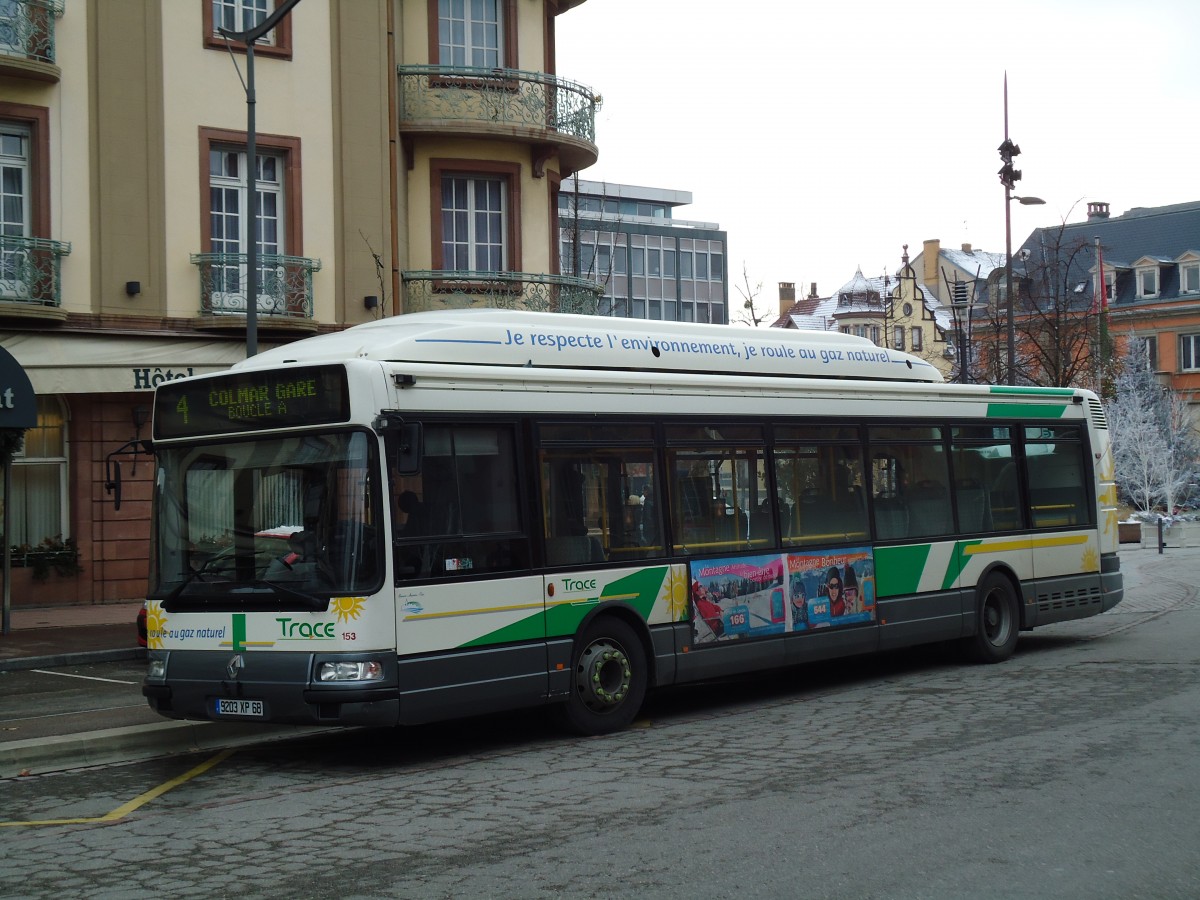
(589, 241)
(750, 293)
(1155, 444)
(1058, 340)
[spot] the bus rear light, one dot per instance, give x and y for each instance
(371, 670)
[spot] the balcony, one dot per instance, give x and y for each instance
(31, 278)
(550, 114)
(284, 294)
(433, 290)
(27, 39)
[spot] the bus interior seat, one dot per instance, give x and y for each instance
(929, 509)
(891, 517)
(974, 511)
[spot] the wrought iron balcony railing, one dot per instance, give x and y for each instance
(428, 290)
(30, 270)
(27, 28)
(284, 289)
(509, 97)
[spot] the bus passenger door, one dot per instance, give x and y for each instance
(471, 624)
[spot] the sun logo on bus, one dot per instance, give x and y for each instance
(347, 608)
(1090, 562)
(156, 626)
(675, 587)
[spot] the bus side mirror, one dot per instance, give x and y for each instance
(407, 449)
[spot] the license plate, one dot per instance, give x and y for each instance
(251, 709)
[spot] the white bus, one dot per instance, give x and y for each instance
(450, 513)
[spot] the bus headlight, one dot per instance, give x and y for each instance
(370, 670)
(156, 668)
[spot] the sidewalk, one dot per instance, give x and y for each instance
(70, 634)
(78, 635)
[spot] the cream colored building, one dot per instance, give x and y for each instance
(410, 153)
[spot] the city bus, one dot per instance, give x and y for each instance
(445, 514)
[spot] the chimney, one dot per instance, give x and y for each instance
(1097, 210)
(929, 271)
(966, 248)
(787, 296)
(812, 292)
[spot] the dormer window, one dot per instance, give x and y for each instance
(1189, 278)
(1147, 282)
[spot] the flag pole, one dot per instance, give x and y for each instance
(1102, 327)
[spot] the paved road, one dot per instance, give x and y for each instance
(1070, 771)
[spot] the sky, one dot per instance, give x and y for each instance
(823, 136)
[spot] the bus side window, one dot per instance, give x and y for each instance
(597, 493)
(460, 516)
(1056, 484)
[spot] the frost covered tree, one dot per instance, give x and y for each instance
(1155, 444)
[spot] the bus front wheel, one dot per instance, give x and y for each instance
(608, 679)
(998, 621)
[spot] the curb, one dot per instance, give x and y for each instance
(23, 663)
(134, 743)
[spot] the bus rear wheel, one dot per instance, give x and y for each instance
(998, 621)
(608, 679)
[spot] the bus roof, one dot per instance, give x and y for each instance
(497, 337)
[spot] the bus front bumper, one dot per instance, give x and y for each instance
(277, 688)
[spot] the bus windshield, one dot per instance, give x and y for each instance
(280, 523)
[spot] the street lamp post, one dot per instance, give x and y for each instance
(1008, 177)
(1009, 197)
(249, 38)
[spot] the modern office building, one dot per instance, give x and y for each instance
(651, 265)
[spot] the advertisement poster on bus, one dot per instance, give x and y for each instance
(738, 598)
(830, 587)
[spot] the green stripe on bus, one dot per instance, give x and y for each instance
(1035, 391)
(898, 569)
(638, 589)
(958, 562)
(531, 628)
(1025, 410)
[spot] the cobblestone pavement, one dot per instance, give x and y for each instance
(1069, 771)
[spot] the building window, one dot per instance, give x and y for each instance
(473, 213)
(38, 503)
(1151, 344)
(24, 198)
(897, 337)
(875, 335)
(1189, 352)
(916, 340)
(14, 207)
(475, 224)
(226, 224)
(1189, 278)
(475, 33)
(1148, 282)
(242, 15)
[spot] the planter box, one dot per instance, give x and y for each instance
(1129, 532)
(1177, 534)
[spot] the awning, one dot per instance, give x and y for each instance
(18, 405)
(58, 363)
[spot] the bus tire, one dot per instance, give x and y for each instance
(608, 679)
(998, 621)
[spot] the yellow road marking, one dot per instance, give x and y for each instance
(141, 800)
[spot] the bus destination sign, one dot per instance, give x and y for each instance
(251, 401)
